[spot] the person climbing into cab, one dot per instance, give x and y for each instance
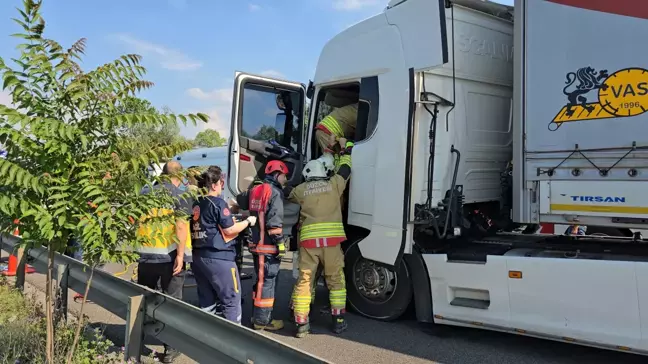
(320, 236)
(340, 123)
(213, 234)
(267, 245)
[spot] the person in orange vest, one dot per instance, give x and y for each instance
(268, 244)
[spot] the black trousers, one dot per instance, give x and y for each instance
(148, 274)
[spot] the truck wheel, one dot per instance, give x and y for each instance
(376, 291)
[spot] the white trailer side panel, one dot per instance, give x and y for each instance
(582, 129)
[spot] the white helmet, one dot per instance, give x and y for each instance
(328, 161)
(314, 170)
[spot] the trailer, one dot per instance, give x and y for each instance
(478, 123)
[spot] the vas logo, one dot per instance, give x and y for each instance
(624, 93)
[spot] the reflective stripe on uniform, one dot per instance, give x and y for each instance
(337, 311)
(301, 304)
(264, 302)
(157, 249)
(345, 159)
(341, 160)
(333, 126)
(338, 298)
(234, 280)
(321, 230)
(265, 249)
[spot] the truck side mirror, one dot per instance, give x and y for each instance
(310, 90)
(280, 121)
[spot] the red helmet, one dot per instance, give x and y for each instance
(276, 166)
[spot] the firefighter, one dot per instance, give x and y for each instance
(320, 236)
(268, 245)
(328, 160)
(213, 233)
(340, 123)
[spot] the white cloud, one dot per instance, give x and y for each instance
(218, 105)
(219, 120)
(354, 4)
(254, 7)
(170, 59)
(218, 95)
(273, 74)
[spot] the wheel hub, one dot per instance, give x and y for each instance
(373, 281)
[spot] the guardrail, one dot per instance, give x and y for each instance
(199, 335)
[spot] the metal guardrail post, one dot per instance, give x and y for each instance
(20, 271)
(62, 274)
(134, 328)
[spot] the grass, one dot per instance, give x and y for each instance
(22, 334)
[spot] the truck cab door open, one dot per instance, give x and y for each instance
(267, 124)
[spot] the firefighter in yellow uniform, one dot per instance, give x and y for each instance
(340, 123)
(320, 235)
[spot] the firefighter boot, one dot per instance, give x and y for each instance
(339, 324)
(274, 325)
(302, 330)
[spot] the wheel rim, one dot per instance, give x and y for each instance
(375, 283)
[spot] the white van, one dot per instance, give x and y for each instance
(206, 157)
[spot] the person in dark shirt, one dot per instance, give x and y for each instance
(213, 240)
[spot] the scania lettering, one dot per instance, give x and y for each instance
(479, 127)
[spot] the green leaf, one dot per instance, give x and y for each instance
(113, 236)
(59, 196)
(22, 24)
(94, 193)
(12, 174)
(9, 79)
(203, 117)
(66, 76)
(19, 35)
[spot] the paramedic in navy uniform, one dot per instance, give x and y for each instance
(213, 239)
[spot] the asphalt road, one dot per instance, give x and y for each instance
(402, 341)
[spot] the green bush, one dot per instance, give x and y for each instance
(23, 334)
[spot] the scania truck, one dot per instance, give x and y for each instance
(477, 124)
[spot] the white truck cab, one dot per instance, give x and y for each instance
(443, 177)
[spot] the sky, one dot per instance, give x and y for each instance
(192, 48)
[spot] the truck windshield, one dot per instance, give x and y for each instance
(270, 114)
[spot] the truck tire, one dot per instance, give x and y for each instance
(376, 291)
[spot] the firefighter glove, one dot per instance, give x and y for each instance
(347, 148)
(281, 249)
(252, 220)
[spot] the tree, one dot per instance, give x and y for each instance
(68, 171)
(209, 138)
(149, 136)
